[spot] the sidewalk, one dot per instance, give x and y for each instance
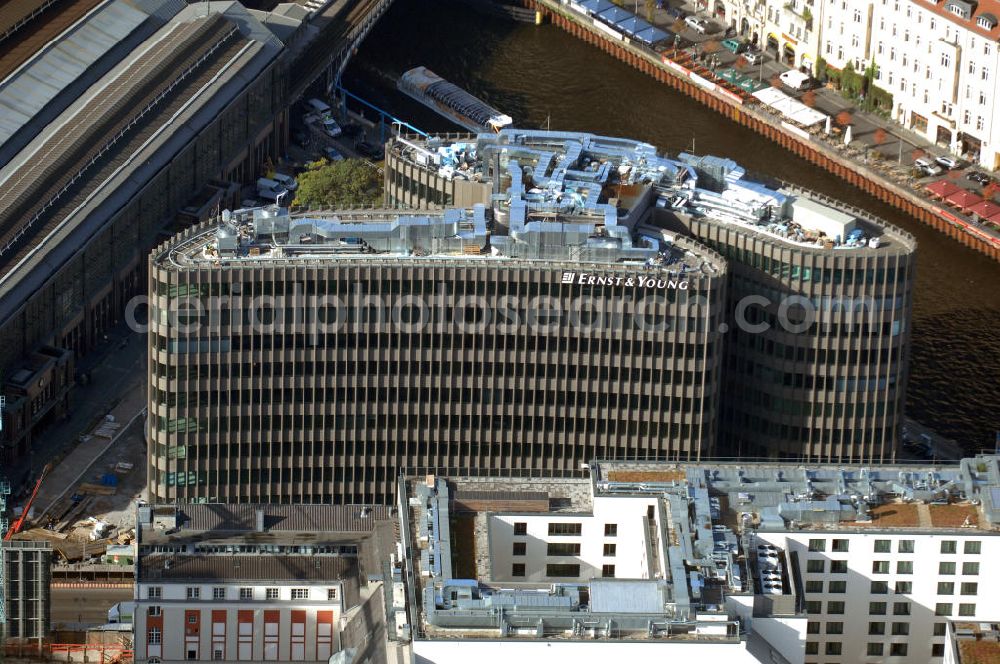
(117, 385)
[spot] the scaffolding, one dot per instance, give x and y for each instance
(4, 492)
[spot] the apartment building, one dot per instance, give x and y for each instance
(563, 570)
(940, 61)
(787, 30)
(809, 564)
(252, 582)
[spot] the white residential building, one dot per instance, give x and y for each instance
(720, 562)
(246, 583)
(939, 60)
(787, 29)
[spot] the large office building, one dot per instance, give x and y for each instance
(715, 562)
(117, 115)
(310, 357)
(820, 293)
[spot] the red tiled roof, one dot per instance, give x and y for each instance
(985, 209)
(982, 7)
(964, 199)
(942, 188)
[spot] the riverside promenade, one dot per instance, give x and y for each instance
(877, 158)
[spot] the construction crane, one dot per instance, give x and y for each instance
(19, 522)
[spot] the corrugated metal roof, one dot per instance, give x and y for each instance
(25, 92)
(316, 518)
(180, 567)
(626, 596)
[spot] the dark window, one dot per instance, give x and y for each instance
(814, 586)
(815, 566)
(940, 629)
(906, 546)
(966, 610)
(610, 549)
(942, 609)
(611, 530)
(883, 546)
(877, 608)
(812, 627)
(837, 587)
(833, 647)
(880, 588)
(817, 545)
(874, 650)
(563, 549)
(840, 545)
(835, 608)
(904, 567)
(897, 650)
(520, 528)
(900, 629)
(946, 568)
(949, 546)
(969, 588)
(517, 569)
(838, 567)
(901, 609)
(970, 568)
(520, 548)
(562, 570)
(876, 628)
(835, 628)
(565, 529)
(937, 650)
(608, 571)
(945, 588)
(973, 546)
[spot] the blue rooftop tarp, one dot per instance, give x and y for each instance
(614, 15)
(596, 6)
(652, 35)
(633, 25)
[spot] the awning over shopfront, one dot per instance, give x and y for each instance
(790, 107)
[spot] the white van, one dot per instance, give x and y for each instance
(319, 106)
(271, 190)
(286, 181)
(795, 79)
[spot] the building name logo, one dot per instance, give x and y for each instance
(641, 281)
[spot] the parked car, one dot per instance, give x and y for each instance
(947, 163)
(978, 176)
(676, 12)
(734, 45)
(331, 127)
(332, 154)
(697, 23)
(927, 167)
(366, 149)
(753, 57)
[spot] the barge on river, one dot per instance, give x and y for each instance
(452, 101)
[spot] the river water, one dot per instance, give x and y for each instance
(540, 75)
